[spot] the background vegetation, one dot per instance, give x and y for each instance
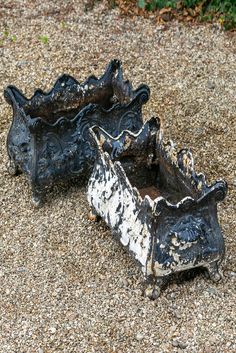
(221, 11)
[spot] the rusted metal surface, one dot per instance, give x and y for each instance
(156, 204)
(48, 139)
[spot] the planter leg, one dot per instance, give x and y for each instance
(153, 289)
(213, 272)
(93, 216)
(12, 168)
(37, 197)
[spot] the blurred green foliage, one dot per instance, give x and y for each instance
(223, 10)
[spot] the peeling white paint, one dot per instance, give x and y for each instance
(106, 194)
(178, 244)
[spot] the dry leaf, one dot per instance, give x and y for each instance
(189, 18)
(164, 10)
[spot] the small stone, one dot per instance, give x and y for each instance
(177, 343)
(40, 350)
(124, 282)
(21, 63)
(212, 290)
(183, 345)
(173, 328)
(199, 130)
(210, 84)
(139, 336)
(53, 329)
(177, 314)
(232, 274)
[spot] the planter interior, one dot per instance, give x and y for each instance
(156, 204)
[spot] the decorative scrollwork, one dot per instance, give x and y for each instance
(57, 123)
(188, 229)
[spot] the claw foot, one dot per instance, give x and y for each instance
(93, 217)
(153, 290)
(37, 198)
(213, 272)
(12, 168)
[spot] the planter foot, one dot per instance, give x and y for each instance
(93, 216)
(37, 198)
(12, 168)
(153, 290)
(213, 272)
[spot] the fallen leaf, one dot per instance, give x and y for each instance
(164, 10)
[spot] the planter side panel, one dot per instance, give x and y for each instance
(188, 236)
(19, 142)
(112, 197)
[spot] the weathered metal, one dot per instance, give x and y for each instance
(48, 139)
(156, 204)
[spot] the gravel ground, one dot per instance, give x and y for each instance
(66, 284)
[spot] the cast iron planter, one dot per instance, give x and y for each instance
(48, 139)
(156, 204)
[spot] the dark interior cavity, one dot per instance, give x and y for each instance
(64, 104)
(156, 181)
(54, 114)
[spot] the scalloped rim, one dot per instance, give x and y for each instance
(87, 109)
(219, 186)
(63, 79)
(143, 89)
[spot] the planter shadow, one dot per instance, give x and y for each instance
(156, 204)
(48, 139)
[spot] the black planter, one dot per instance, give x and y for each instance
(48, 139)
(156, 204)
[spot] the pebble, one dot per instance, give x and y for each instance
(22, 63)
(232, 273)
(211, 84)
(175, 343)
(180, 344)
(139, 336)
(177, 314)
(53, 330)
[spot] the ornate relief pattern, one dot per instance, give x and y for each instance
(167, 234)
(48, 139)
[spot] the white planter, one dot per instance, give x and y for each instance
(155, 204)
